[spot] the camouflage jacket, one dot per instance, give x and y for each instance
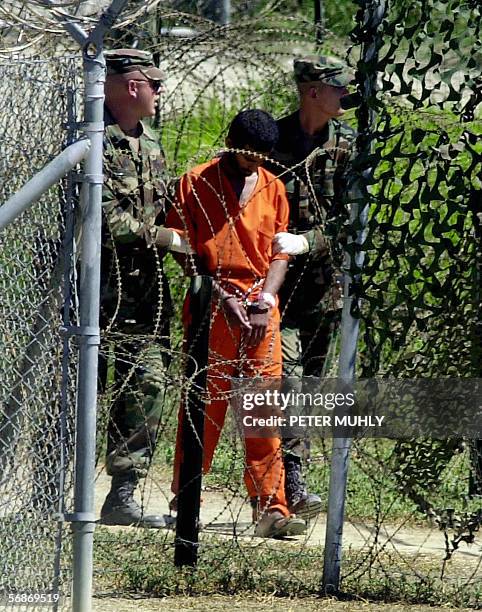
(134, 290)
(316, 184)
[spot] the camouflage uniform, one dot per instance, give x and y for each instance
(310, 297)
(135, 299)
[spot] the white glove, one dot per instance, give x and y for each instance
(167, 239)
(179, 245)
(290, 244)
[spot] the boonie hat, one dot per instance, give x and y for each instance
(323, 69)
(123, 61)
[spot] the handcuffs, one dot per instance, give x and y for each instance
(263, 298)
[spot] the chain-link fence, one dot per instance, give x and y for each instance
(413, 515)
(38, 101)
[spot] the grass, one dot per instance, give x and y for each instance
(142, 564)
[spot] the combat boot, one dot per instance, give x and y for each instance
(300, 502)
(120, 507)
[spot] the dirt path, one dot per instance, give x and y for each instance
(222, 513)
(249, 604)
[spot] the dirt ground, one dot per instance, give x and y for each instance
(249, 604)
(221, 513)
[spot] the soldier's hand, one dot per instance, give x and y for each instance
(290, 244)
(158, 235)
(236, 313)
(163, 237)
(167, 239)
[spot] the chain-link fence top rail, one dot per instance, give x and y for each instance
(36, 386)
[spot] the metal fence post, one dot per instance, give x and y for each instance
(373, 13)
(83, 519)
(319, 21)
(192, 432)
(225, 12)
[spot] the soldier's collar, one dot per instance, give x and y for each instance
(148, 132)
(137, 132)
(116, 133)
(331, 129)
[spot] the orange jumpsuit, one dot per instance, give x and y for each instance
(233, 244)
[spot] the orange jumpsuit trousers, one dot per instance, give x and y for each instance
(228, 357)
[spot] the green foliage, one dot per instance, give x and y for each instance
(197, 136)
(193, 138)
(338, 14)
(374, 488)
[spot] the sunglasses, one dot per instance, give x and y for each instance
(156, 86)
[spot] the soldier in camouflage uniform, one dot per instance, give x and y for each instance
(135, 300)
(318, 148)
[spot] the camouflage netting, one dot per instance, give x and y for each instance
(421, 285)
(420, 288)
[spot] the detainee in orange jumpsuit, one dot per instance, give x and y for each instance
(229, 210)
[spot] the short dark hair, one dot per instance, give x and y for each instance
(255, 129)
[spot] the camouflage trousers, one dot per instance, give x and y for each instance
(133, 376)
(305, 344)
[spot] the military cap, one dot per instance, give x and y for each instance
(123, 61)
(323, 69)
